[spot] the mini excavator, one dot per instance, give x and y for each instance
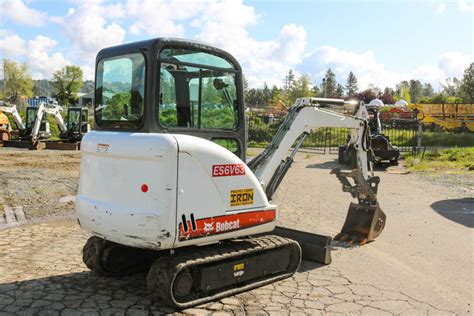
(5, 125)
(164, 184)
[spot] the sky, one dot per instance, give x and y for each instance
(382, 42)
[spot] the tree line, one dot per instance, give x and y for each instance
(65, 85)
(452, 90)
(68, 82)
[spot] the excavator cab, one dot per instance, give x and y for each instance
(31, 116)
(184, 87)
(77, 124)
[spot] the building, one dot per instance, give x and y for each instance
(86, 99)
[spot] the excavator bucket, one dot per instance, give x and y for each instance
(365, 220)
(363, 223)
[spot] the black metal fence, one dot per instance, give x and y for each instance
(402, 132)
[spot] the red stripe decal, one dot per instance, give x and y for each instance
(224, 224)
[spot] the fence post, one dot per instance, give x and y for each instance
(419, 136)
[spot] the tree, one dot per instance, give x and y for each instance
(301, 88)
(339, 91)
(467, 85)
(366, 95)
(439, 98)
(416, 90)
(289, 80)
(387, 96)
(316, 90)
(67, 83)
(266, 93)
(329, 84)
(43, 87)
(403, 91)
(375, 89)
(87, 86)
(428, 90)
(17, 81)
(451, 86)
(351, 84)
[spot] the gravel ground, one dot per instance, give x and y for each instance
(421, 264)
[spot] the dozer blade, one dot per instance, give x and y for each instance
(365, 220)
(363, 223)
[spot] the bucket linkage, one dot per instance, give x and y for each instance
(365, 220)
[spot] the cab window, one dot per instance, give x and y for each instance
(197, 90)
(120, 91)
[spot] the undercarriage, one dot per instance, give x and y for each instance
(196, 275)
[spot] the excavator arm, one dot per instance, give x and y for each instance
(14, 113)
(365, 220)
(54, 110)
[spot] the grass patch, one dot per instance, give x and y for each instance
(446, 160)
(447, 139)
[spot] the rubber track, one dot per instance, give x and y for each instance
(95, 255)
(163, 272)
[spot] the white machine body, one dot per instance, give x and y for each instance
(163, 191)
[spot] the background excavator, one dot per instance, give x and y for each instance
(37, 127)
(165, 187)
(381, 147)
(5, 125)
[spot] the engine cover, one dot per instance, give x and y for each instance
(162, 191)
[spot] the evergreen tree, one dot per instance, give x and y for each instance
(329, 84)
(428, 90)
(416, 90)
(289, 80)
(266, 94)
(339, 91)
(301, 88)
(351, 84)
(467, 85)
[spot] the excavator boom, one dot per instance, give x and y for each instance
(365, 220)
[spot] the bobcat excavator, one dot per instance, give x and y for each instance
(164, 184)
(72, 130)
(5, 126)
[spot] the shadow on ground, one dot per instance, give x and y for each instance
(334, 164)
(327, 165)
(460, 211)
(79, 293)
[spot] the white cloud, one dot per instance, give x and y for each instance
(161, 18)
(363, 65)
(12, 45)
(452, 64)
(465, 6)
(369, 71)
(88, 30)
(36, 53)
(440, 8)
(225, 24)
(17, 12)
(41, 63)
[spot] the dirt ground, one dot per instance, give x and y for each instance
(423, 263)
(37, 180)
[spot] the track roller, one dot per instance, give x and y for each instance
(197, 275)
(110, 259)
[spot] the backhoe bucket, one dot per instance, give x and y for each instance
(363, 223)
